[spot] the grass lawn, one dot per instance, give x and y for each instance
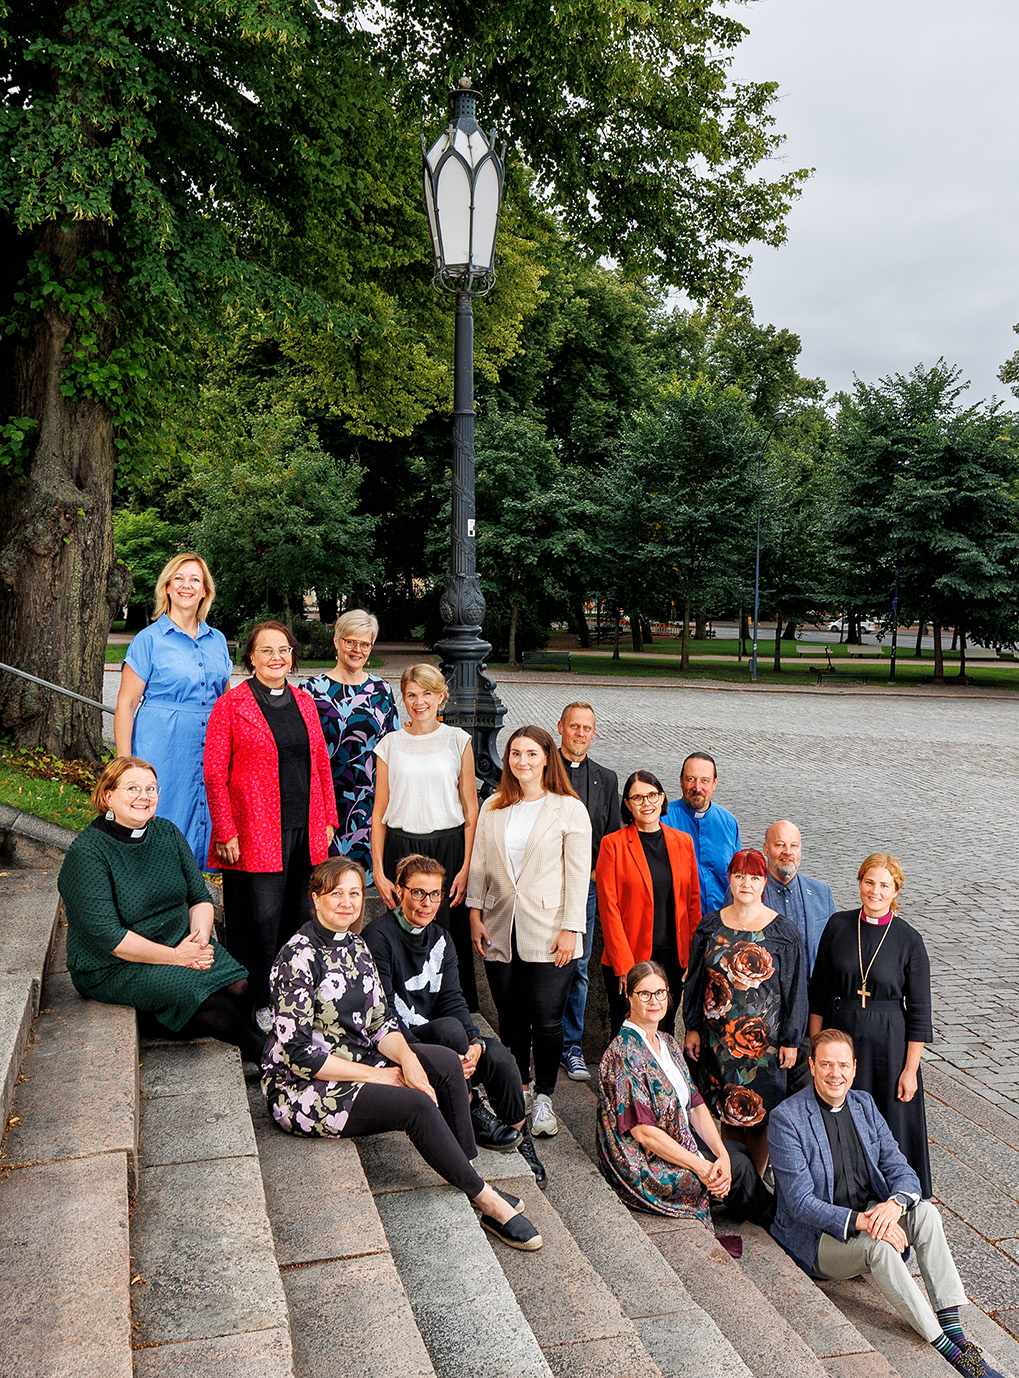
(60, 801)
(115, 653)
(907, 672)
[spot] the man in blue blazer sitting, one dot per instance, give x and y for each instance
(849, 1203)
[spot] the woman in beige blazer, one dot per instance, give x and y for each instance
(527, 893)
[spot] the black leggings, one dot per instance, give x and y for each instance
(443, 1136)
(496, 1069)
(225, 1015)
(530, 998)
(264, 909)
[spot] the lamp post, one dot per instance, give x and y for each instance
(463, 175)
(779, 417)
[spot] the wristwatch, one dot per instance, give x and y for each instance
(481, 1041)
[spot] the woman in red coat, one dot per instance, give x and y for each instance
(271, 804)
(649, 897)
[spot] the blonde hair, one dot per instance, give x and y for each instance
(356, 620)
(428, 676)
(166, 574)
(891, 865)
(111, 777)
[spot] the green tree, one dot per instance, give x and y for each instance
(928, 487)
(679, 501)
(279, 515)
(143, 542)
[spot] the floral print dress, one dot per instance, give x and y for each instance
(354, 718)
(746, 995)
(326, 998)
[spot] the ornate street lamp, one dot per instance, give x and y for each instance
(463, 186)
(781, 414)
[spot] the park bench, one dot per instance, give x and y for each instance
(979, 653)
(829, 676)
(547, 660)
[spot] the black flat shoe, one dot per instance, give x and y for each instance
(518, 1232)
(513, 1201)
(489, 1130)
(527, 1151)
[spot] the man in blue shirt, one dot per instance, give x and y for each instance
(714, 830)
(806, 902)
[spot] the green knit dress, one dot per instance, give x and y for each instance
(110, 888)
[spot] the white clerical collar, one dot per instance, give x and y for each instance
(276, 692)
(139, 832)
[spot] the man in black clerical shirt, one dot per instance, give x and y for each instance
(847, 1202)
(598, 790)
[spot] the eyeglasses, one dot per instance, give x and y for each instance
(650, 799)
(356, 645)
(134, 790)
(647, 997)
(421, 896)
(273, 651)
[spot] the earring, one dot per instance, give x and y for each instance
(109, 815)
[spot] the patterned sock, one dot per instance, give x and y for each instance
(948, 1348)
(948, 1319)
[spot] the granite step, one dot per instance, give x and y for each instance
(330, 1244)
(208, 1297)
(69, 1159)
(468, 1316)
(28, 916)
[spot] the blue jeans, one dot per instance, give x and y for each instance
(573, 1015)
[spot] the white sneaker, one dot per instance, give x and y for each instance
(263, 1018)
(544, 1123)
(528, 1102)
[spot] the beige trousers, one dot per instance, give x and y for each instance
(862, 1254)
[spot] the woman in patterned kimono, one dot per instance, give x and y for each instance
(356, 711)
(745, 1006)
(657, 1142)
(336, 1063)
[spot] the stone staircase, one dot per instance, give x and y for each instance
(154, 1223)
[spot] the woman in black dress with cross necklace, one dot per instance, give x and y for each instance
(872, 979)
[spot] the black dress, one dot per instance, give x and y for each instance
(898, 1011)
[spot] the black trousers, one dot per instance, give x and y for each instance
(530, 998)
(496, 1069)
(446, 847)
(619, 1005)
(749, 1198)
(443, 1136)
(264, 909)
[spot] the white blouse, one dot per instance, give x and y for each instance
(666, 1062)
(424, 779)
(520, 820)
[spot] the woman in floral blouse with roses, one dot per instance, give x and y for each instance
(745, 1006)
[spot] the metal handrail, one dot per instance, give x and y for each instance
(92, 703)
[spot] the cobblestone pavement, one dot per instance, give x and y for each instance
(934, 781)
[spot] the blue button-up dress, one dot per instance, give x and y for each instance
(184, 676)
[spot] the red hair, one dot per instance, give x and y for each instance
(749, 862)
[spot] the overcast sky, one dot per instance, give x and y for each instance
(905, 242)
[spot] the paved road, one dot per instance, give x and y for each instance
(934, 781)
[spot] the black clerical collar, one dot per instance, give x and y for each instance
(831, 1109)
(116, 830)
(329, 935)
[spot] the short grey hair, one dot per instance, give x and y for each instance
(356, 620)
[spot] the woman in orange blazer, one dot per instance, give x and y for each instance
(649, 897)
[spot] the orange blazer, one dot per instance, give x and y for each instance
(626, 901)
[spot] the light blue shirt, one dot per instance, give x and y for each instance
(715, 835)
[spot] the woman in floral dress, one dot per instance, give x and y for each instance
(356, 711)
(335, 1062)
(745, 1006)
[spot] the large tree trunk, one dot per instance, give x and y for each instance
(636, 640)
(700, 627)
(744, 632)
(645, 631)
(778, 644)
(615, 645)
(962, 653)
(918, 651)
(583, 629)
(514, 615)
(60, 583)
(939, 654)
(790, 631)
(684, 660)
(327, 608)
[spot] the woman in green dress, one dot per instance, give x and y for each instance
(139, 918)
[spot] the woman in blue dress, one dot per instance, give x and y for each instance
(174, 671)
(356, 711)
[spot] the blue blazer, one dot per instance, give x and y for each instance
(804, 1174)
(818, 907)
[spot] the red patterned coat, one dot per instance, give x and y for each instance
(243, 785)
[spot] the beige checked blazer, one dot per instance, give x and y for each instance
(548, 895)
